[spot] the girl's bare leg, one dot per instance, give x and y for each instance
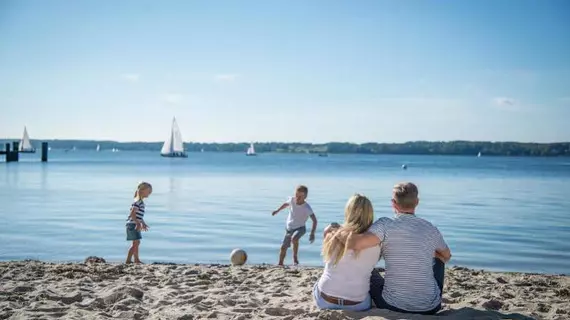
(130, 254)
(136, 245)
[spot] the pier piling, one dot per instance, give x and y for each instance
(45, 151)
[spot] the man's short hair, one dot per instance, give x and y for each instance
(406, 195)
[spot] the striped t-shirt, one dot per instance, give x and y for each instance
(139, 207)
(408, 247)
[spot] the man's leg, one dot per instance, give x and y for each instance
(376, 288)
(439, 273)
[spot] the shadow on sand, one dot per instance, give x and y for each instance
(455, 314)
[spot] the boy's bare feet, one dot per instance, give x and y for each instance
(139, 262)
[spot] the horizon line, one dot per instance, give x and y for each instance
(300, 142)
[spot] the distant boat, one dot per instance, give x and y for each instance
(404, 167)
(202, 150)
(25, 144)
(114, 150)
(98, 148)
(479, 155)
(74, 148)
(251, 150)
(174, 146)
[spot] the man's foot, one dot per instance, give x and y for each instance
(296, 262)
(139, 262)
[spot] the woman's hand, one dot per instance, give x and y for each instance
(329, 228)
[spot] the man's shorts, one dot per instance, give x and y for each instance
(294, 234)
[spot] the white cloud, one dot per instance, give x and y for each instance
(173, 98)
(131, 77)
(504, 102)
(226, 77)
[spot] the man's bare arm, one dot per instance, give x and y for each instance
(362, 241)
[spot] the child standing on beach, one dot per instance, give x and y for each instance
(135, 221)
(299, 212)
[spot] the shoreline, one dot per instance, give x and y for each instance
(163, 290)
(266, 264)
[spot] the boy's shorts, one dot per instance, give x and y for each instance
(132, 232)
(294, 234)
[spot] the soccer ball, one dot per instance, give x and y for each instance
(238, 257)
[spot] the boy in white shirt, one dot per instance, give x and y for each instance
(299, 212)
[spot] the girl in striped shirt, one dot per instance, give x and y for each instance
(135, 221)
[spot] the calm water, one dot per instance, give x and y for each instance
(509, 214)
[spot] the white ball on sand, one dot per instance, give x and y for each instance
(238, 257)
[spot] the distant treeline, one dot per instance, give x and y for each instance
(416, 147)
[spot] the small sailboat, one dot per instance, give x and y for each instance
(251, 150)
(479, 155)
(174, 146)
(25, 144)
(98, 148)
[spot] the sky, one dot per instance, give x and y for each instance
(309, 71)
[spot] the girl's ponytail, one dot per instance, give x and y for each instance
(143, 185)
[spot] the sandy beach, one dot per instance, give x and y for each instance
(40, 290)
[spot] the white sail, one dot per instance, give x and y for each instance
(174, 144)
(251, 149)
(177, 143)
(98, 148)
(479, 155)
(25, 144)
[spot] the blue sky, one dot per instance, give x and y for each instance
(359, 71)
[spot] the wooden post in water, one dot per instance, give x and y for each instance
(8, 153)
(44, 151)
(15, 151)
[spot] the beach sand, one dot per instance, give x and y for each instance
(39, 290)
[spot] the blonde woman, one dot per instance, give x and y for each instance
(135, 221)
(345, 281)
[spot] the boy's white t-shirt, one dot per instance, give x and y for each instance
(298, 214)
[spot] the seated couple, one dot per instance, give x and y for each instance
(413, 249)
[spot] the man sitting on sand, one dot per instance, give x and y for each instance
(414, 279)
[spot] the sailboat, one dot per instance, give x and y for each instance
(98, 148)
(174, 146)
(250, 151)
(25, 144)
(479, 155)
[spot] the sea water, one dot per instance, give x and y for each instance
(496, 213)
